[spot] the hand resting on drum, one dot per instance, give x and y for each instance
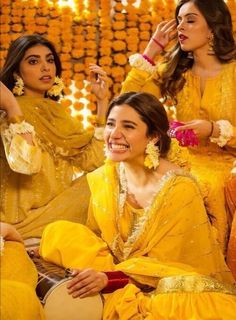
(86, 282)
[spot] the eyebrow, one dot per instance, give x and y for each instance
(188, 14)
(124, 121)
(37, 56)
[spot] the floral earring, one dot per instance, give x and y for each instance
(211, 51)
(152, 155)
(18, 89)
(57, 88)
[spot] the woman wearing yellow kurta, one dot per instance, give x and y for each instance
(36, 176)
(199, 76)
(148, 222)
(40, 145)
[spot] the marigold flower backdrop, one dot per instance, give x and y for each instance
(99, 31)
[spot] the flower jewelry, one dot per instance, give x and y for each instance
(226, 133)
(18, 89)
(152, 157)
(185, 137)
(57, 88)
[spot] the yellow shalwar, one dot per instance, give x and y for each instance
(210, 164)
(168, 246)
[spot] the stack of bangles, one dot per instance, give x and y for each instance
(116, 280)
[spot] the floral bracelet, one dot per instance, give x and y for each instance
(138, 61)
(226, 133)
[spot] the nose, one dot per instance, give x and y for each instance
(116, 133)
(45, 66)
(180, 26)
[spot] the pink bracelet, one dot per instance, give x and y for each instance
(158, 43)
(148, 59)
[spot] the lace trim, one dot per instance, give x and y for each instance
(194, 284)
(17, 128)
(226, 133)
(139, 62)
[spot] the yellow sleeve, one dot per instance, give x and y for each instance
(140, 81)
(21, 156)
(91, 156)
(232, 141)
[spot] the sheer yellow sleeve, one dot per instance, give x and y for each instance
(140, 81)
(21, 156)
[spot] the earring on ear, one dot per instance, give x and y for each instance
(211, 51)
(190, 55)
(57, 88)
(152, 155)
(18, 89)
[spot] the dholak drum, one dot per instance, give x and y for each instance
(58, 304)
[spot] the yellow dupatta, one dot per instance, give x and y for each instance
(60, 133)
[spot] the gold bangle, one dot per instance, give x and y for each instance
(212, 129)
(16, 119)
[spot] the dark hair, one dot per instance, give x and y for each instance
(152, 113)
(16, 53)
(219, 20)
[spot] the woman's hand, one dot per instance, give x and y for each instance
(202, 128)
(8, 102)
(164, 33)
(8, 232)
(99, 82)
(86, 282)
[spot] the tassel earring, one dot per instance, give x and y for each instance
(211, 50)
(190, 55)
(57, 88)
(18, 89)
(152, 156)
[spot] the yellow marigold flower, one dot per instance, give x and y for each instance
(78, 94)
(78, 67)
(107, 34)
(91, 106)
(132, 16)
(15, 19)
(119, 16)
(119, 45)
(66, 49)
(133, 31)
(79, 85)
(117, 72)
(106, 60)
(42, 21)
(120, 59)
(145, 18)
(144, 26)
(17, 27)
(118, 25)
(5, 2)
(105, 51)
(67, 91)
(91, 45)
(107, 69)
(5, 28)
(66, 74)
(131, 24)
(5, 10)
(144, 35)
(120, 35)
(66, 102)
(119, 6)
(5, 19)
(105, 43)
(142, 45)
(91, 53)
(90, 36)
(78, 105)
(79, 77)
(66, 65)
(77, 53)
(42, 29)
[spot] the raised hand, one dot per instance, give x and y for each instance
(86, 282)
(202, 128)
(99, 81)
(8, 102)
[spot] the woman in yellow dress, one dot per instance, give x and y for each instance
(41, 143)
(148, 246)
(198, 77)
(18, 280)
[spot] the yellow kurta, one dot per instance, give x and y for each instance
(168, 246)
(210, 164)
(45, 192)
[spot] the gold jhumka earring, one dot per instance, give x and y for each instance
(152, 155)
(211, 50)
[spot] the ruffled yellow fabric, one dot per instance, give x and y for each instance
(31, 201)
(217, 103)
(18, 283)
(174, 241)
